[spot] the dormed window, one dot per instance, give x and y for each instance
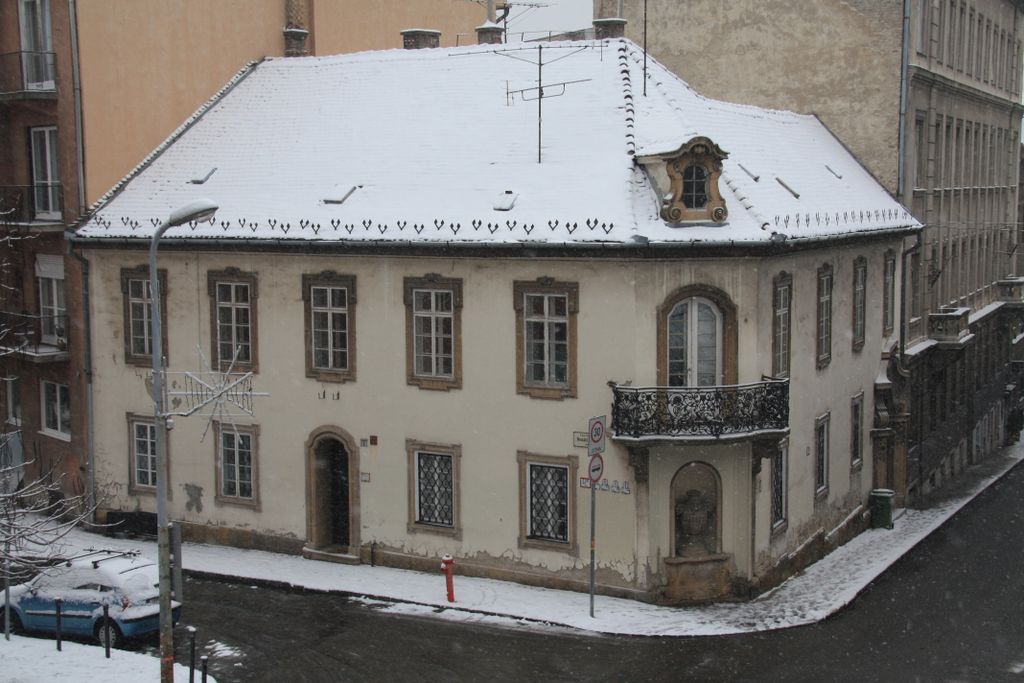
(691, 194)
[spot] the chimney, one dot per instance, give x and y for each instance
(419, 38)
(295, 31)
(609, 28)
(489, 33)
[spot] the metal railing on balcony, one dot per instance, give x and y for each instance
(28, 203)
(34, 334)
(682, 413)
(28, 73)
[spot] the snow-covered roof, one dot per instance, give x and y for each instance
(429, 146)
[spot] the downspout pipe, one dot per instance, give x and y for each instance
(76, 80)
(901, 171)
(87, 369)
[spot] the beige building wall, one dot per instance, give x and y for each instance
(617, 324)
(839, 60)
(147, 65)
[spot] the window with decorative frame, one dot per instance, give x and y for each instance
(547, 506)
(857, 431)
(546, 338)
(330, 310)
(434, 476)
(859, 315)
(693, 172)
(779, 486)
(821, 454)
(824, 316)
(233, 297)
(138, 312)
(889, 293)
(433, 330)
(142, 464)
(56, 406)
(782, 317)
(237, 464)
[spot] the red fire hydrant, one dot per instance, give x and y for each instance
(448, 567)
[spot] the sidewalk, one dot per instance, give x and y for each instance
(822, 589)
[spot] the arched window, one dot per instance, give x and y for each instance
(694, 343)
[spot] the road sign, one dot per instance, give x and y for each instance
(596, 438)
(596, 468)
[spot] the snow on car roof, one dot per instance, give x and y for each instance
(421, 146)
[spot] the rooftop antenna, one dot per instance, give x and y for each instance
(506, 8)
(538, 93)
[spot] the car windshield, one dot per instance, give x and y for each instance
(140, 584)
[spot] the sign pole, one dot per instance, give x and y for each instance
(595, 446)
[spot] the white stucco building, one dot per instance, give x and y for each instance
(435, 302)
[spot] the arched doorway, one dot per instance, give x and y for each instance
(332, 492)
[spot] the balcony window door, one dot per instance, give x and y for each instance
(52, 310)
(694, 343)
(36, 44)
(45, 178)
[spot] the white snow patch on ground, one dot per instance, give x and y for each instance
(36, 660)
(822, 589)
(221, 650)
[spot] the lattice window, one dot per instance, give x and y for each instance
(821, 430)
(856, 430)
(435, 502)
(695, 187)
(779, 466)
(549, 502)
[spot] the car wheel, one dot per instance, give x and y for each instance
(15, 622)
(116, 639)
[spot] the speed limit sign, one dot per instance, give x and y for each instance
(595, 435)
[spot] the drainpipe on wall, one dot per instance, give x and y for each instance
(87, 334)
(76, 81)
(905, 59)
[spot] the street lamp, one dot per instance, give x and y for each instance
(198, 210)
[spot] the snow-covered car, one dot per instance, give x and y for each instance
(126, 582)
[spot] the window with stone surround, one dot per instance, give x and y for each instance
(546, 338)
(889, 293)
(547, 517)
(434, 475)
(330, 312)
(433, 329)
(779, 486)
(857, 431)
(141, 454)
(824, 316)
(233, 297)
(821, 454)
(138, 312)
(237, 464)
(782, 323)
(859, 315)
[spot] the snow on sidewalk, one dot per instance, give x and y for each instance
(36, 660)
(822, 589)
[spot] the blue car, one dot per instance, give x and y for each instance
(125, 582)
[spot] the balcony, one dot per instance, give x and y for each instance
(28, 75)
(39, 203)
(36, 338)
(700, 413)
(1011, 290)
(949, 327)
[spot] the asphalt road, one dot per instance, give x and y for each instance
(949, 611)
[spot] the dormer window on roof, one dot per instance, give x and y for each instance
(693, 171)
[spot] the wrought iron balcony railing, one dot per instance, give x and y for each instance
(28, 74)
(682, 413)
(39, 336)
(27, 203)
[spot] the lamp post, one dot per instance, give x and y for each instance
(201, 209)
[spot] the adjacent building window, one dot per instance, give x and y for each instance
(237, 480)
(694, 343)
(46, 197)
(142, 447)
(779, 474)
(433, 320)
(860, 279)
(824, 316)
(12, 388)
(36, 44)
(434, 488)
(548, 502)
(782, 300)
(138, 314)
(52, 310)
(330, 301)
(821, 430)
(56, 404)
(857, 430)
(546, 338)
(889, 294)
(233, 312)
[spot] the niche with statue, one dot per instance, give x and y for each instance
(695, 496)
